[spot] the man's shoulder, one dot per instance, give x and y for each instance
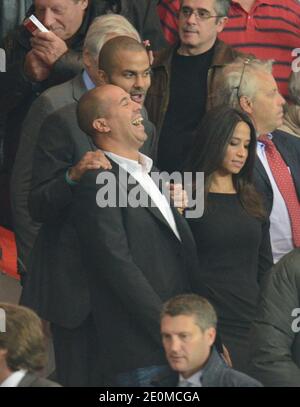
(163, 57)
(32, 380)
(287, 138)
(234, 378)
(225, 53)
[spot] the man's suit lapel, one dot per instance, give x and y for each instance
(117, 170)
(260, 170)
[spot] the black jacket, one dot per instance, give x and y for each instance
(275, 339)
(214, 374)
(134, 263)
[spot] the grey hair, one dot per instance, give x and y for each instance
(222, 7)
(239, 79)
(294, 87)
(101, 30)
(191, 305)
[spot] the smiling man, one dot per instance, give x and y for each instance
(184, 77)
(188, 330)
(135, 257)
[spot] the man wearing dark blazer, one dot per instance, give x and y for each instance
(53, 99)
(250, 86)
(136, 256)
(56, 288)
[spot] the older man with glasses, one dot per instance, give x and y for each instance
(184, 78)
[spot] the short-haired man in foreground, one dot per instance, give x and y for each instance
(135, 256)
(188, 329)
(22, 348)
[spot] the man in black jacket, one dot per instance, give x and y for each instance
(135, 256)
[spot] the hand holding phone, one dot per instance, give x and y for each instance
(33, 24)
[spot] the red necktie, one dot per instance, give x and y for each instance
(285, 185)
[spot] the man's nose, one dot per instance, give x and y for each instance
(136, 106)
(139, 82)
(175, 345)
(281, 100)
(48, 18)
(191, 19)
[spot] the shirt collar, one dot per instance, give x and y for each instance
(14, 379)
(195, 379)
(262, 144)
(143, 165)
(89, 84)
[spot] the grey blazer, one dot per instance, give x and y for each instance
(49, 101)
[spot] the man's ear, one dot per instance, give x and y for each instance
(211, 335)
(86, 58)
(221, 24)
(84, 4)
(246, 104)
(103, 77)
(101, 125)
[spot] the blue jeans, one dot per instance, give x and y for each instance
(141, 377)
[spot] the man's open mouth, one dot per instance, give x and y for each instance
(138, 121)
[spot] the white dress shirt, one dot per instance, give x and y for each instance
(139, 170)
(280, 224)
(193, 381)
(14, 379)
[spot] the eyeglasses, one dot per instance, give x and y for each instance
(246, 61)
(200, 14)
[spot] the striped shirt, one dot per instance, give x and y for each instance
(168, 14)
(271, 30)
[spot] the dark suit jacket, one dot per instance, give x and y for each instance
(134, 262)
(51, 100)
(32, 380)
(289, 148)
(215, 374)
(55, 286)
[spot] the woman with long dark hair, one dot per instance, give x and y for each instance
(232, 236)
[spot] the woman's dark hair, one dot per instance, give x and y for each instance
(211, 140)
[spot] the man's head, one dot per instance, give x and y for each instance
(188, 329)
(294, 87)
(200, 21)
(22, 345)
(112, 119)
(62, 17)
(249, 85)
(101, 30)
(124, 62)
